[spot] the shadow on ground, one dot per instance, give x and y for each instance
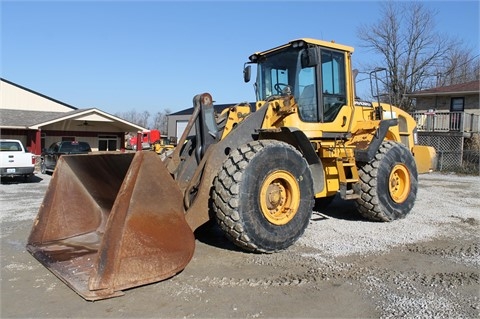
(20, 179)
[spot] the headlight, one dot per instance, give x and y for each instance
(298, 44)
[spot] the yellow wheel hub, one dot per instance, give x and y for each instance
(279, 197)
(399, 183)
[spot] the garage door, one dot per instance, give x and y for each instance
(181, 125)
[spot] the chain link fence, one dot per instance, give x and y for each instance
(467, 162)
(454, 152)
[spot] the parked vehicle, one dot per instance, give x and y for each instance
(50, 156)
(163, 146)
(148, 139)
(15, 160)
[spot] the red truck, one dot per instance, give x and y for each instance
(148, 138)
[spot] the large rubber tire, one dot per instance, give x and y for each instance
(263, 196)
(388, 184)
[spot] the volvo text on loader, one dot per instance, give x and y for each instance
(109, 222)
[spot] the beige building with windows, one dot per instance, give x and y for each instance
(38, 121)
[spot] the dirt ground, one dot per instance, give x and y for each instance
(426, 265)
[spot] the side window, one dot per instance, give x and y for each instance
(333, 84)
(307, 100)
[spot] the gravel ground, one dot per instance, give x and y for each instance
(426, 265)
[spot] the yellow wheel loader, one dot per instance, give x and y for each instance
(109, 222)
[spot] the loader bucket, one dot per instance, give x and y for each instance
(109, 222)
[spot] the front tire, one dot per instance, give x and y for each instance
(263, 196)
(388, 184)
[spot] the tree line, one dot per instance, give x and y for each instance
(158, 120)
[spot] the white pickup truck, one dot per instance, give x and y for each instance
(14, 160)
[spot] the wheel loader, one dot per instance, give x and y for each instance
(114, 221)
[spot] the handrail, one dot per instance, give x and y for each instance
(435, 121)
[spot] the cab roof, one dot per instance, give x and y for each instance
(316, 42)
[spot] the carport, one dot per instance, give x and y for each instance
(38, 129)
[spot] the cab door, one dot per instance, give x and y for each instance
(324, 99)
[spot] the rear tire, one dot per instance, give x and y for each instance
(388, 184)
(263, 196)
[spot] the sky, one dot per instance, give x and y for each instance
(152, 56)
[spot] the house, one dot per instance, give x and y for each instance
(38, 121)
(448, 118)
(448, 108)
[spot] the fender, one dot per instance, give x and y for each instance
(366, 155)
(300, 141)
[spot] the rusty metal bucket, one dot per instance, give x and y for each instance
(109, 222)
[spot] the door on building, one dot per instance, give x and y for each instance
(107, 143)
(181, 126)
(457, 106)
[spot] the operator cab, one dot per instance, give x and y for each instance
(313, 71)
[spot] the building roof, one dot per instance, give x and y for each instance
(21, 119)
(14, 118)
(39, 94)
(472, 87)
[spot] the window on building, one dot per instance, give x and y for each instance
(457, 104)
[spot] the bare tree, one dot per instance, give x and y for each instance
(406, 39)
(139, 118)
(143, 120)
(160, 120)
(459, 67)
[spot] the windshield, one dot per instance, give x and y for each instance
(281, 72)
(275, 72)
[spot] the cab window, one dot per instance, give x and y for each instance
(307, 99)
(333, 83)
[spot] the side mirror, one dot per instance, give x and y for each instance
(246, 73)
(309, 57)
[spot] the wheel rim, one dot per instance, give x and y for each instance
(399, 183)
(280, 197)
